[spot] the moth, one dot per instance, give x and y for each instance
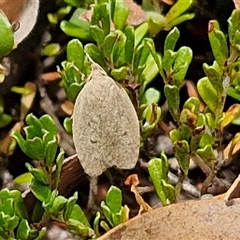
(105, 125)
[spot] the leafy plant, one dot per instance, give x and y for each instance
(41, 144)
(112, 209)
(200, 133)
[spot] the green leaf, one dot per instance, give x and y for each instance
(51, 49)
(97, 34)
(107, 213)
(11, 223)
(34, 121)
(5, 119)
(149, 72)
(207, 154)
(40, 191)
(78, 214)
(59, 163)
(208, 93)
(7, 36)
(214, 74)
(38, 211)
(34, 148)
(23, 230)
(117, 218)
(177, 9)
(218, 42)
(119, 74)
(58, 204)
(150, 43)
(181, 64)
(23, 178)
(171, 39)
(114, 199)
(38, 174)
(173, 99)
(175, 135)
(48, 124)
(96, 54)
(9, 206)
(233, 29)
(75, 53)
(100, 17)
(168, 60)
(193, 104)
(74, 90)
(150, 96)
(69, 207)
(156, 23)
(140, 32)
(129, 45)
(20, 140)
(178, 20)
(67, 123)
(80, 31)
(158, 168)
(233, 92)
(96, 223)
(108, 44)
(120, 15)
(118, 46)
(182, 153)
(50, 152)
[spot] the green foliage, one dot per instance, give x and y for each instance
(13, 217)
(6, 33)
(128, 55)
(41, 143)
(158, 171)
(112, 208)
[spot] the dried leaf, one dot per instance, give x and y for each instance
(133, 180)
(192, 92)
(237, 4)
(22, 11)
(231, 114)
(67, 107)
(51, 76)
(136, 14)
(232, 148)
(5, 143)
(105, 125)
(234, 190)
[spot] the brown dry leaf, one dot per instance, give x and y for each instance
(134, 181)
(5, 143)
(237, 4)
(233, 147)
(12, 9)
(67, 107)
(234, 190)
(192, 92)
(136, 14)
(230, 115)
(51, 76)
(168, 2)
(105, 125)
